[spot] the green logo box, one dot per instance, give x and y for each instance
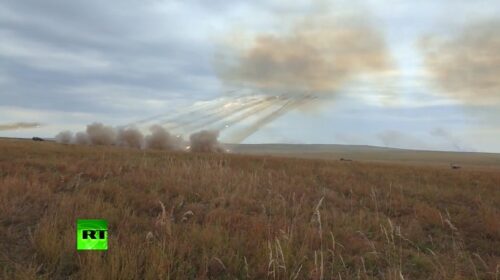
(91, 234)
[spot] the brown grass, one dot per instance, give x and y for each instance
(212, 216)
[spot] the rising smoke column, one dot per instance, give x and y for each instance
(222, 115)
(466, 65)
(249, 112)
(243, 134)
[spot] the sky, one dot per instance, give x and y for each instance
(430, 82)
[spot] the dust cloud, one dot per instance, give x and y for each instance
(130, 137)
(100, 134)
(158, 138)
(161, 139)
(205, 141)
(64, 137)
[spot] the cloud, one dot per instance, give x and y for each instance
(89, 56)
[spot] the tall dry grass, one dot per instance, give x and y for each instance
(213, 216)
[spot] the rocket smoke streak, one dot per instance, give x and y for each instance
(179, 115)
(249, 113)
(229, 113)
(289, 105)
(208, 106)
(18, 125)
(217, 110)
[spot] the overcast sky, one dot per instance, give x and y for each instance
(69, 63)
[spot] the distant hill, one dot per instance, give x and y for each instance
(368, 153)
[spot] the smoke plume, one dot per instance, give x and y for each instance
(319, 55)
(454, 142)
(64, 137)
(399, 139)
(130, 137)
(161, 139)
(100, 134)
(18, 125)
(205, 141)
(467, 65)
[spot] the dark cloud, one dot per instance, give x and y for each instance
(52, 52)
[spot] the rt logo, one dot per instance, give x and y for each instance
(91, 234)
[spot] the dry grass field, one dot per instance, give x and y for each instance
(226, 216)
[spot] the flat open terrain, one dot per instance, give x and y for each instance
(372, 154)
(226, 216)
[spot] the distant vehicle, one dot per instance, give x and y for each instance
(37, 139)
(455, 166)
(345, 159)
